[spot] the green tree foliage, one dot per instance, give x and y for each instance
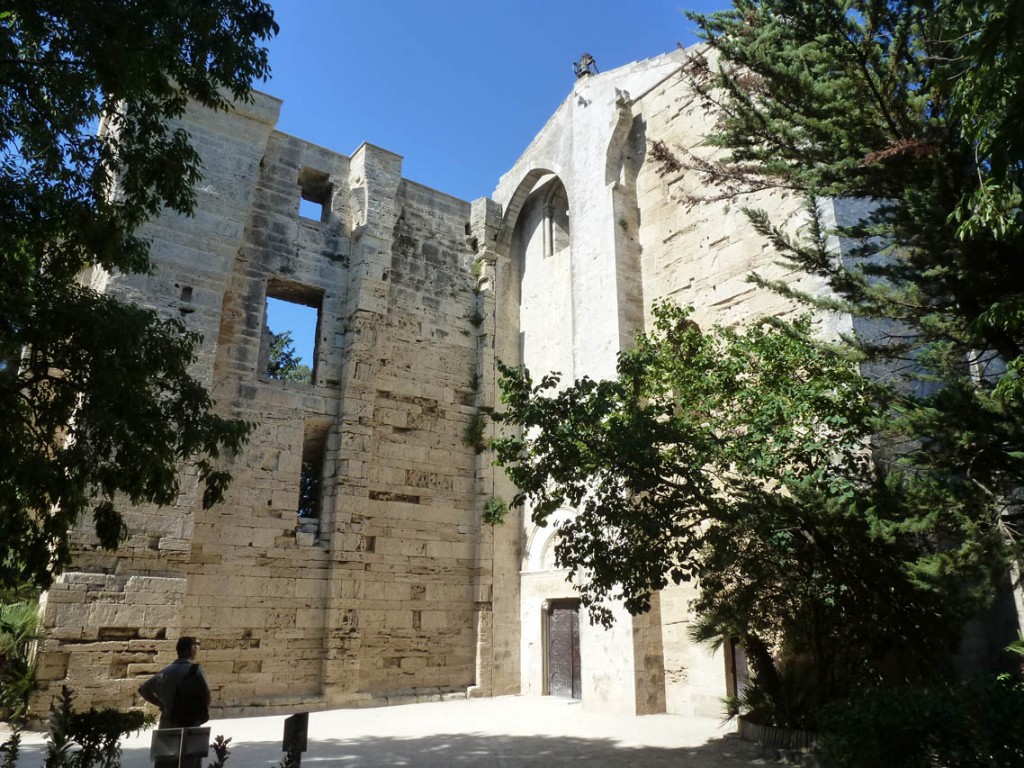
(310, 480)
(88, 739)
(282, 362)
(917, 109)
(19, 623)
(742, 459)
(97, 403)
(976, 724)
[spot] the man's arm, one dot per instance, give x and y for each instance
(202, 674)
(146, 691)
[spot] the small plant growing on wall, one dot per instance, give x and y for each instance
(494, 511)
(474, 436)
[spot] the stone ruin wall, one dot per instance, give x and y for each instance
(635, 238)
(388, 596)
(399, 592)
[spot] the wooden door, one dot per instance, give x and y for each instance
(564, 650)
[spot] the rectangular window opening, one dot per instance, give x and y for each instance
(309, 510)
(311, 479)
(291, 330)
(314, 194)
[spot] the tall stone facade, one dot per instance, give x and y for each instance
(392, 588)
(595, 231)
(388, 591)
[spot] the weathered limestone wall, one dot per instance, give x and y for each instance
(113, 618)
(635, 238)
(417, 624)
(498, 340)
(387, 594)
(393, 589)
(701, 253)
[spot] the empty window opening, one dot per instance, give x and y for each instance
(314, 194)
(311, 210)
(311, 478)
(310, 482)
(290, 332)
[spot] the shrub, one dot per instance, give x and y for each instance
(971, 725)
(88, 739)
(19, 623)
(10, 749)
(221, 751)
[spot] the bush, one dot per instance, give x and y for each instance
(11, 748)
(88, 739)
(795, 701)
(19, 623)
(971, 725)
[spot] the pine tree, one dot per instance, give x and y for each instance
(283, 363)
(915, 108)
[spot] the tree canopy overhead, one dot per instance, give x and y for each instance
(97, 403)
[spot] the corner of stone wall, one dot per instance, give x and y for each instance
(116, 625)
(496, 598)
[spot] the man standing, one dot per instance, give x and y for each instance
(162, 690)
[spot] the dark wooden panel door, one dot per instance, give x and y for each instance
(564, 651)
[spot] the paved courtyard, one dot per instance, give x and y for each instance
(504, 732)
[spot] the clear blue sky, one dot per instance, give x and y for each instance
(459, 88)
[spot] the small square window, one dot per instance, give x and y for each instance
(310, 210)
(314, 194)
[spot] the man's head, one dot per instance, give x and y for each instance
(187, 647)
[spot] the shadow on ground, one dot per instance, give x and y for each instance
(470, 750)
(500, 732)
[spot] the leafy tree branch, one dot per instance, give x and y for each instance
(98, 403)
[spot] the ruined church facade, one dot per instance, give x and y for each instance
(390, 587)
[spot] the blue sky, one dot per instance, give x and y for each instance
(459, 88)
